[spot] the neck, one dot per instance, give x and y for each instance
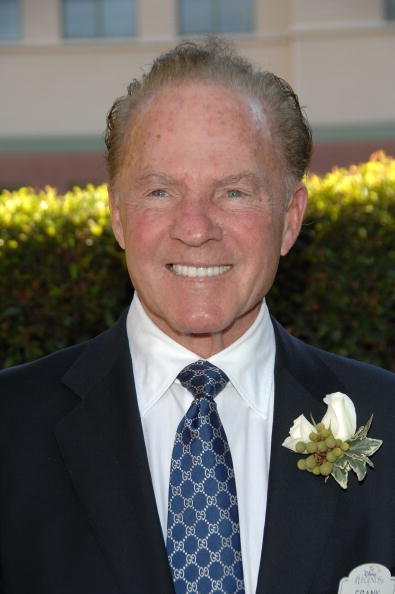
(206, 345)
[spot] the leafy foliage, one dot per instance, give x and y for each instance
(63, 278)
(336, 289)
(357, 456)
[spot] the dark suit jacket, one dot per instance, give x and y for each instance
(77, 509)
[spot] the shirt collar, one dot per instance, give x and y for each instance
(158, 359)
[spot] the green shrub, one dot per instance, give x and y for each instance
(63, 278)
(336, 289)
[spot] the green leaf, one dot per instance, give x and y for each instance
(364, 447)
(341, 462)
(356, 456)
(362, 431)
(359, 467)
(340, 475)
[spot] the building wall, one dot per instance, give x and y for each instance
(55, 92)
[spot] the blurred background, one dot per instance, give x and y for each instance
(62, 63)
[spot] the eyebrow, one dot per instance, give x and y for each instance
(151, 177)
(246, 176)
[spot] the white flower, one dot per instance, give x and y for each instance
(340, 416)
(299, 431)
(334, 448)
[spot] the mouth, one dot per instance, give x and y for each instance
(198, 271)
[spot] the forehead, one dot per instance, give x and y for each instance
(199, 105)
(199, 128)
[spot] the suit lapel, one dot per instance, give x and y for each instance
(300, 506)
(102, 445)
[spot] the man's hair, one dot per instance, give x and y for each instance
(213, 60)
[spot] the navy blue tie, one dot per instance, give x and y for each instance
(203, 536)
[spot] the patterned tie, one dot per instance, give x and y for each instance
(203, 538)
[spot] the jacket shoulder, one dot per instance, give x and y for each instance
(354, 375)
(55, 365)
(36, 393)
(33, 393)
(27, 375)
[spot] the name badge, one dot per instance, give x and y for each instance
(370, 578)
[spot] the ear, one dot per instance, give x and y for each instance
(293, 218)
(114, 203)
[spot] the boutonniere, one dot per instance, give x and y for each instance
(333, 447)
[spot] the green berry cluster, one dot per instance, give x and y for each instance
(323, 450)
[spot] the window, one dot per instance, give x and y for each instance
(389, 9)
(98, 18)
(9, 20)
(215, 16)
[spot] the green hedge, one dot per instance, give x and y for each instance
(63, 278)
(336, 289)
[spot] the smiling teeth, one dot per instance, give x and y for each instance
(182, 270)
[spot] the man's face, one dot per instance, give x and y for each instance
(201, 212)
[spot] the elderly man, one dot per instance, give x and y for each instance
(149, 460)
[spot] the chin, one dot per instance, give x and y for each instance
(203, 323)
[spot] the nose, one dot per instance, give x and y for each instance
(194, 222)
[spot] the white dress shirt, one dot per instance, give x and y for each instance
(245, 407)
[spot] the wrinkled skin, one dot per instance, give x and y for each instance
(200, 186)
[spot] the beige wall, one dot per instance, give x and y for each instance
(346, 77)
(55, 93)
(338, 13)
(339, 55)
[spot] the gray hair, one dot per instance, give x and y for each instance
(216, 61)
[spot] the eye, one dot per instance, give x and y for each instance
(159, 193)
(234, 193)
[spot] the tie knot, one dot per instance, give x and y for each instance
(203, 379)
